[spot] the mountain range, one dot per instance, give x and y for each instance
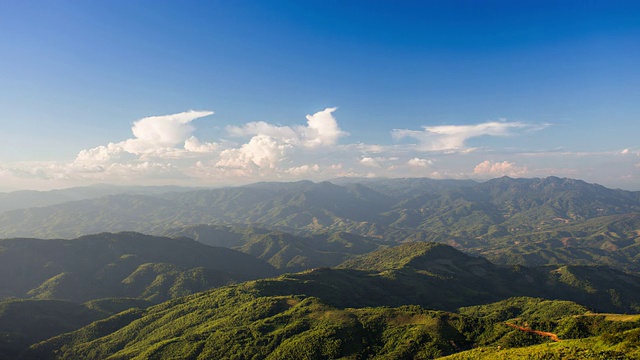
(353, 268)
(510, 221)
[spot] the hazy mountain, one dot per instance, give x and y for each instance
(283, 250)
(505, 219)
(24, 199)
(119, 265)
(406, 187)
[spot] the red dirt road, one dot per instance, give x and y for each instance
(553, 336)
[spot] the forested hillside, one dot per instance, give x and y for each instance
(119, 265)
(333, 313)
(284, 251)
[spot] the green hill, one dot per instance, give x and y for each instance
(119, 265)
(609, 240)
(284, 251)
(364, 311)
(25, 322)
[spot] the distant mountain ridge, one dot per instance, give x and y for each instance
(504, 219)
(24, 199)
(498, 206)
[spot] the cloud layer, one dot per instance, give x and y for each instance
(166, 150)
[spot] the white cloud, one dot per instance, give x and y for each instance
(369, 161)
(284, 133)
(192, 144)
(303, 170)
(100, 154)
(165, 150)
(419, 163)
(261, 151)
(155, 136)
(489, 168)
(629, 152)
(322, 130)
(454, 137)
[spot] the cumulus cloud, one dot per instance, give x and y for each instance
(154, 136)
(192, 144)
(166, 145)
(454, 137)
(99, 154)
(303, 170)
(369, 161)
(419, 163)
(489, 168)
(165, 149)
(269, 143)
(322, 130)
(261, 151)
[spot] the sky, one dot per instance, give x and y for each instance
(219, 93)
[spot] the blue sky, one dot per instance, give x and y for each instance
(100, 92)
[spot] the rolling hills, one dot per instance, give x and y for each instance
(25, 322)
(282, 250)
(354, 313)
(119, 265)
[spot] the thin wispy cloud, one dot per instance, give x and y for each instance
(455, 137)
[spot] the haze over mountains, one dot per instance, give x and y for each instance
(352, 269)
(514, 221)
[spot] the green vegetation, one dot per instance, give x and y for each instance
(119, 265)
(531, 222)
(621, 346)
(237, 322)
(284, 251)
(400, 302)
(373, 268)
(25, 322)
